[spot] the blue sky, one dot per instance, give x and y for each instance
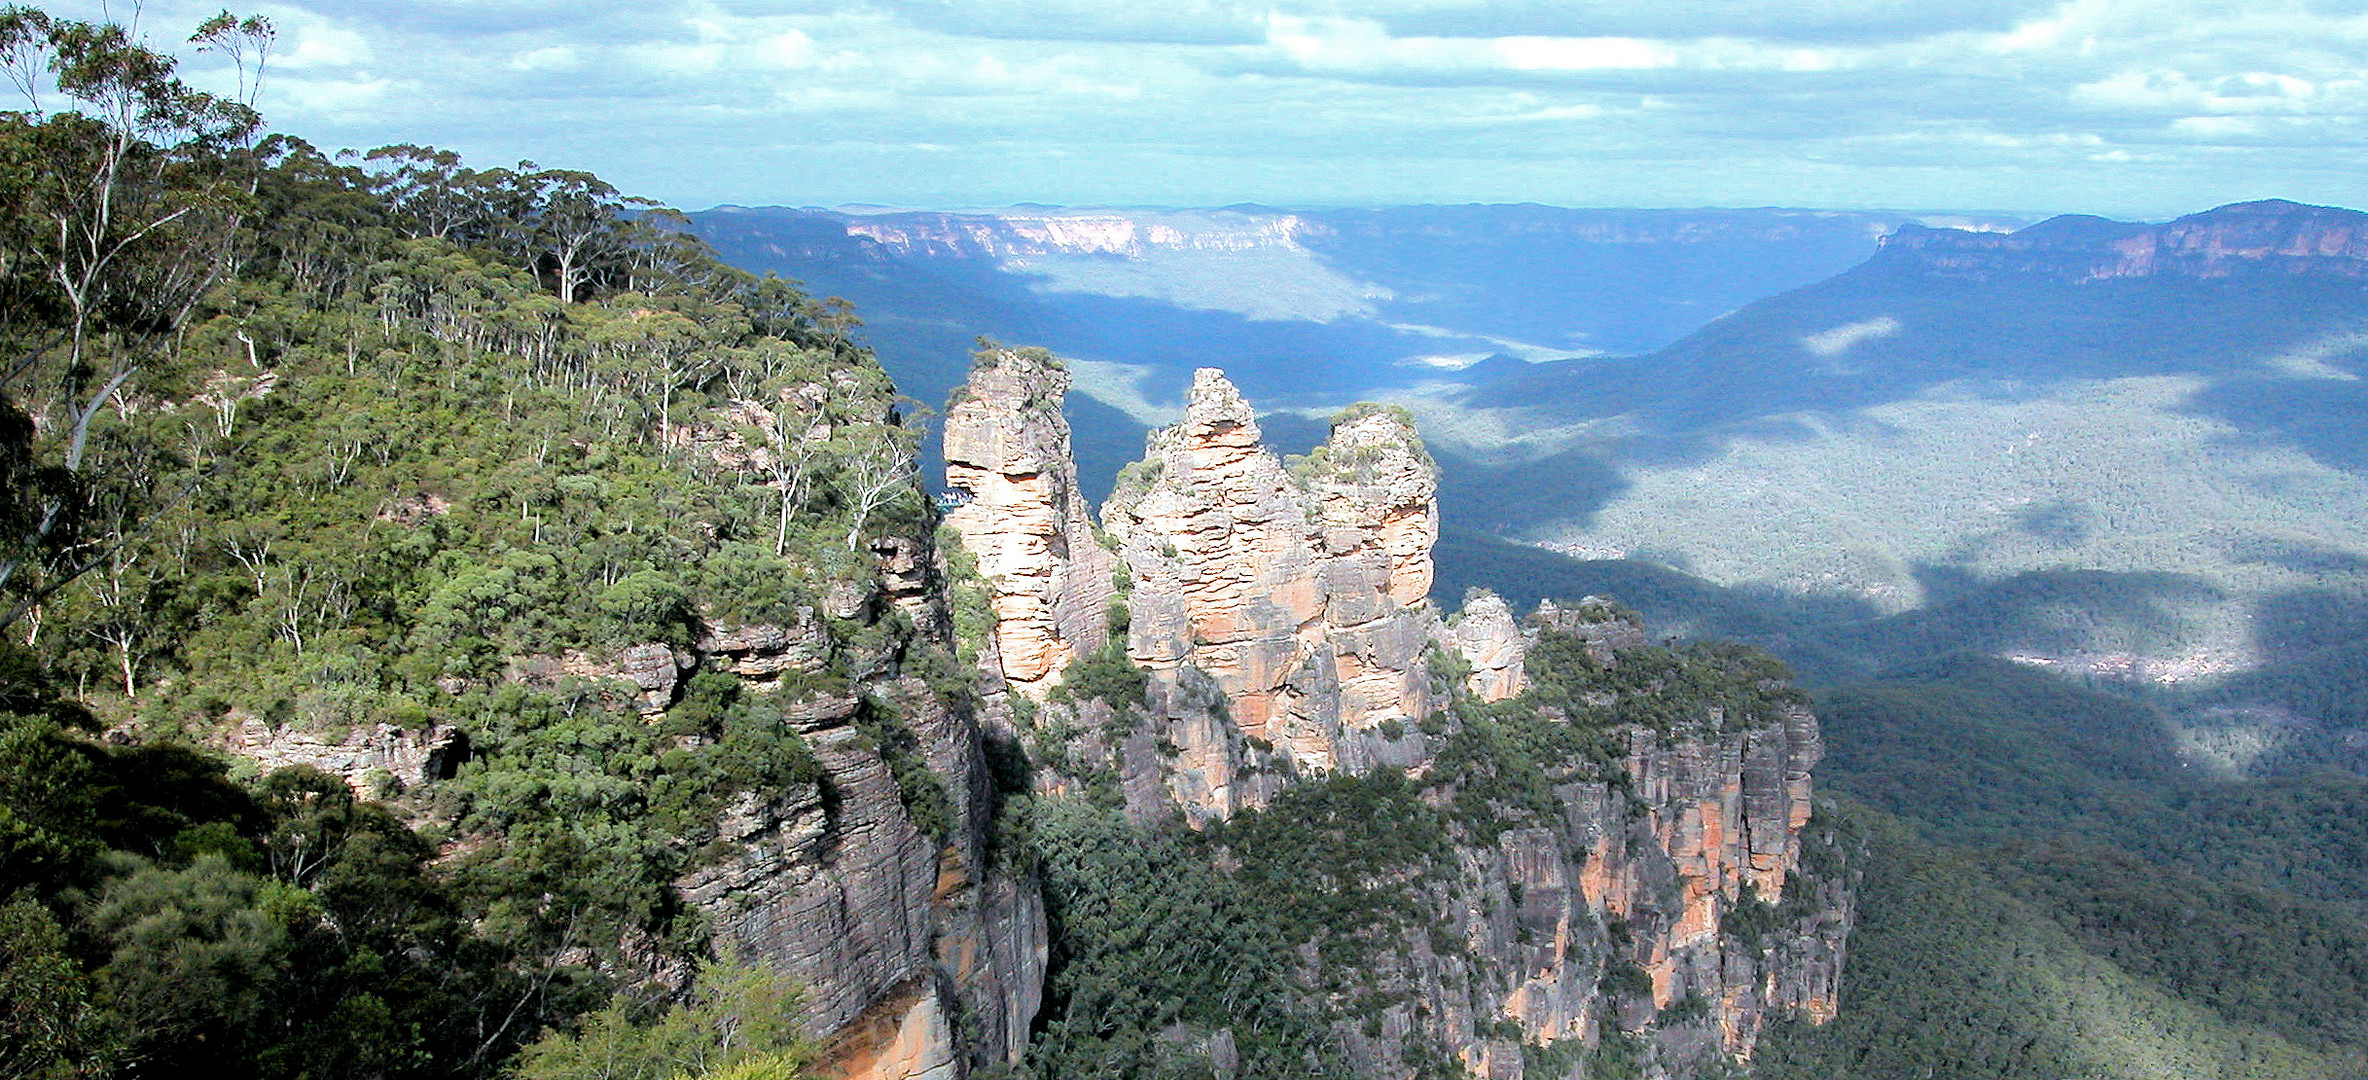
(2125, 107)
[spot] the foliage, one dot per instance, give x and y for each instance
(1148, 936)
(1108, 674)
(1339, 861)
(1953, 976)
(323, 445)
(2181, 920)
(736, 1020)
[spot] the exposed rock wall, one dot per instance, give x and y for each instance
(1486, 635)
(1023, 517)
(375, 760)
(1669, 904)
(1281, 615)
(1304, 597)
(921, 957)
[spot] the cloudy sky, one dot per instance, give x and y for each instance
(2129, 107)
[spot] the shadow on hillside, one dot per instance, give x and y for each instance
(2314, 646)
(2045, 612)
(1564, 487)
(2019, 337)
(1829, 638)
(2326, 418)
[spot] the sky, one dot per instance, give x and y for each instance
(2131, 108)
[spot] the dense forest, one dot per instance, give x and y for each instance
(328, 440)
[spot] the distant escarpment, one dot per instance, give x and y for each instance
(2271, 236)
(1291, 821)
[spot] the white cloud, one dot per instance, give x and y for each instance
(1840, 339)
(1582, 54)
(2119, 106)
(2164, 91)
(310, 42)
(551, 58)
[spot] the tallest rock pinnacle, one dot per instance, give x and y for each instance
(1007, 450)
(1301, 595)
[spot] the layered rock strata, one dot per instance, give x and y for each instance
(375, 760)
(1023, 517)
(919, 955)
(1302, 596)
(1280, 614)
(896, 934)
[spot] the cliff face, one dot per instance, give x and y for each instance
(1007, 454)
(2271, 236)
(920, 956)
(1679, 900)
(1673, 898)
(1303, 597)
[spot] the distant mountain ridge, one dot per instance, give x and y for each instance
(2144, 443)
(1308, 307)
(2266, 236)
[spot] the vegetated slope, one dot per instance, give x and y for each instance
(413, 484)
(1961, 972)
(2052, 891)
(2175, 399)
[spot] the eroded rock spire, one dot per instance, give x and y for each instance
(1007, 454)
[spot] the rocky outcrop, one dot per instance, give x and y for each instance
(1302, 596)
(375, 760)
(646, 675)
(1023, 517)
(1489, 640)
(894, 931)
(762, 652)
(1280, 615)
(873, 887)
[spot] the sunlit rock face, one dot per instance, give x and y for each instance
(1023, 519)
(889, 929)
(1674, 891)
(1303, 595)
(1489, 640)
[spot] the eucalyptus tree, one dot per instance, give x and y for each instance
(119, 209)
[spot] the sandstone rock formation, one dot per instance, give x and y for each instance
(1485, 633)
(892, 931)
(1281, 615)
(646, 674)
(375, 760)
(1302, 596)
(1666, 884)
(1023, 517)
